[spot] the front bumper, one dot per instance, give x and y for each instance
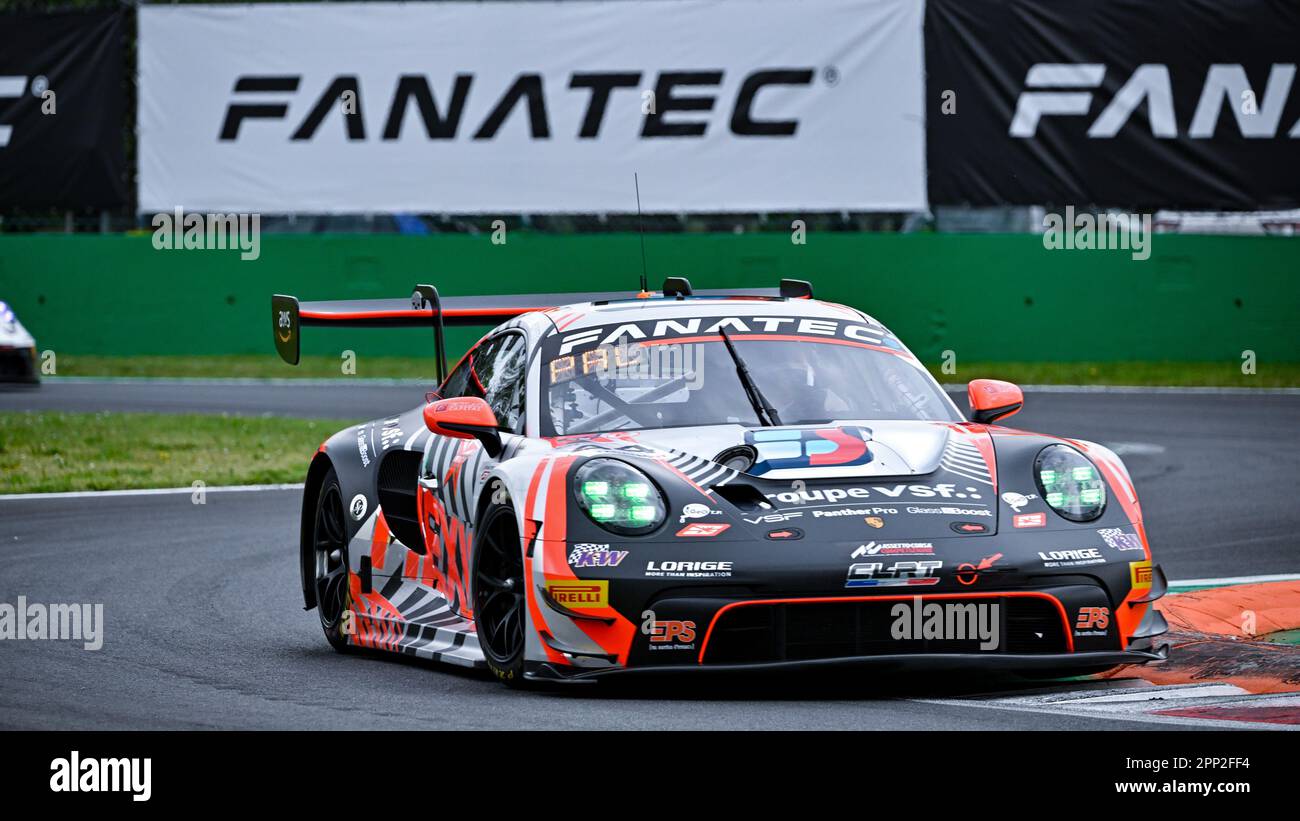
(1042, 629)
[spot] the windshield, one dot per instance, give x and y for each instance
(660, 384)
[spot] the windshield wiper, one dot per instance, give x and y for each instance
(767, 414)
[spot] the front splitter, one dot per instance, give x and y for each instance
(1065, 663)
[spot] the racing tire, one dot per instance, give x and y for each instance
(500, 594)
(330, 562)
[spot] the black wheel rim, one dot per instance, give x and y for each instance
(499, 590)
(330, 543)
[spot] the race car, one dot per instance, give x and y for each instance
(17, 349)
(673, 482)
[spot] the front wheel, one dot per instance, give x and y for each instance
(330, 557)
(500, 596)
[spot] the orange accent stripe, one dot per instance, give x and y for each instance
(379, 542)
(411, 313)
(555, 522)
(751, 337)
(567, 321)
(530, 599)
(614, 639)
(1119, 485)
(984, 443)
(533, 485)
(1065, 622)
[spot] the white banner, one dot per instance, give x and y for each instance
(468, 107)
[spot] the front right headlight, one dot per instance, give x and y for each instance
(1069, 483)
(618, 497)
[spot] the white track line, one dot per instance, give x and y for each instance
(1107, 715)
(1279, 577)
(1131, 700)
(161, 491)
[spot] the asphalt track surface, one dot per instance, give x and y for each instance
(205, 628)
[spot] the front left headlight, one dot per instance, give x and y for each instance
(618, 497)
(1069, 483)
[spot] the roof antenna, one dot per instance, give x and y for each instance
(640, 227)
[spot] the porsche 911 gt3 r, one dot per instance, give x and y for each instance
(718, 481)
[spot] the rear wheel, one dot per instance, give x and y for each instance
(500, 598)
(330, 556)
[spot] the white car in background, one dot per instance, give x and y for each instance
(17, 349)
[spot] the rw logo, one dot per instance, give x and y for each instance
(1058, 93)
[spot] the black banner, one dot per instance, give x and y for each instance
(1222, 774)
(61, 110)
(1115, 103)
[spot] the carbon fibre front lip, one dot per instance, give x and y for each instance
(989, 663)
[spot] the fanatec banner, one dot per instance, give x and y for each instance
(718, 105)
(61, 110)
(1128, 103)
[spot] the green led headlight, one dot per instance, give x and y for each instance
(618, 497)
(636, 490)
(1069, 483)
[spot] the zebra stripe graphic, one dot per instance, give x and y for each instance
(965, 460)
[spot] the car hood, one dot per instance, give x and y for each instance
(839, 449)
(840, 481)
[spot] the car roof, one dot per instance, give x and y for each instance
(595, 314)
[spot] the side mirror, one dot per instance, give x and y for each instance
(465, 417)
(992, 399)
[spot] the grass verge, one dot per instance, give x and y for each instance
(248, 366)
(53, 452)
(1169, 374)
(1179, 374)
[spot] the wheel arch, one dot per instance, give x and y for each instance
(514, 477)
(316, 472)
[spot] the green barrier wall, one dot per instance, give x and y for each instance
(986, 297)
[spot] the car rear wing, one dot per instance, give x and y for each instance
(425, 308)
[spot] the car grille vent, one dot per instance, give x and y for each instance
(746, 497)
(398, 474)
(795, 631)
